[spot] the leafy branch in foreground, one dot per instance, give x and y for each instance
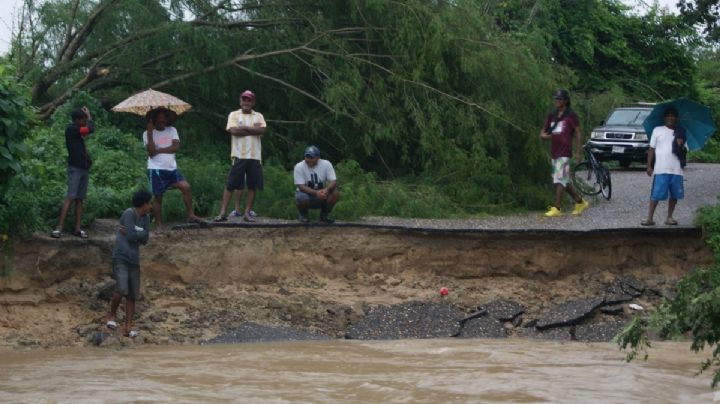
(694, 311)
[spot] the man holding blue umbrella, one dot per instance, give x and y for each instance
(667, 146)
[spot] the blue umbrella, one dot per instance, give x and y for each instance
(695, 118)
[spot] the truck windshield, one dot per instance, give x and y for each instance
(628, 117)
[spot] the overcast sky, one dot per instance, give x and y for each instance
(9, 11)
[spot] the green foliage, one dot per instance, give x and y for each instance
(16, 117)
(695, 309)
(703, 12)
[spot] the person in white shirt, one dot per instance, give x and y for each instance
(161, 141)
(668, 171)
(316, 186)
(246, 128)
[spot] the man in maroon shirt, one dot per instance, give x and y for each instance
(561, 126)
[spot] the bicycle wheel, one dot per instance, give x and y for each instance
(585, 179)
(604, 179)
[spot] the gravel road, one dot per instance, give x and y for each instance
(627, 207)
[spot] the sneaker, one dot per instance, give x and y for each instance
(553, 212)
(327, 219)
(303, 218)
(580, 207)
(235, 213)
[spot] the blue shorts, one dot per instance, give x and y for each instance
(162, 180)
(664, 184)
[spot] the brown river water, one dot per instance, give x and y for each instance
(440, 370)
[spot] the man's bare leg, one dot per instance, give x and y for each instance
(157, 213)
(651, 210)
(129, 312)
(63, 213)
(78, 214)
(671, 208)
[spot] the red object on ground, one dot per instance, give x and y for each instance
(444, 291)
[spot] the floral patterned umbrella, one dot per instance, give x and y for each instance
(144, 102)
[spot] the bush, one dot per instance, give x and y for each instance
(694, 309)
(16, 117)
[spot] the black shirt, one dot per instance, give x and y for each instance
(75, 142)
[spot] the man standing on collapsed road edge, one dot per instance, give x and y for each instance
(131, 233)
(561, 125)
(78, 169)
(162, 141)
(667, 147)
(316, 186)
(246, 128)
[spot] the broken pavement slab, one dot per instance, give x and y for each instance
(504, 310)
(408, 320)
(483, 327)
(599, 332)
(569, 313)
(253, 332)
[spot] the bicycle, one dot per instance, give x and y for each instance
(592, 177)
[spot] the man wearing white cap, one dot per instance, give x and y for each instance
(246, 128)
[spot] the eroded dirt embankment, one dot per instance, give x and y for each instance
(197, 282)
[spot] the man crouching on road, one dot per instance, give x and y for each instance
(316, 186)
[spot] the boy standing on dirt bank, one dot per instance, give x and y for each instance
(667, 144)
(561, 125)
(78, 169)
(132, 232)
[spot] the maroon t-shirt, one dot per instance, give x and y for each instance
(563, 133)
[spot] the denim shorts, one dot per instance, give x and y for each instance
(77, 182)
(127, 277)
(162, 180)
(664, 184)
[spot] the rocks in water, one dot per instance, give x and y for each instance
(504, 310)
(483, 327)
(612, 310)
(252, 332)
(568, 313)
(599, 332)
(105, 289)
(408, 320)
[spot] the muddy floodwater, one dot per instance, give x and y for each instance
(350, 371)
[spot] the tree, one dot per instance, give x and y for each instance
(704, 12)
(410, 88)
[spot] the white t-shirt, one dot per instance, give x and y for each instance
(162, 138)
(246, 147)
(665, 161)
(314, 177)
